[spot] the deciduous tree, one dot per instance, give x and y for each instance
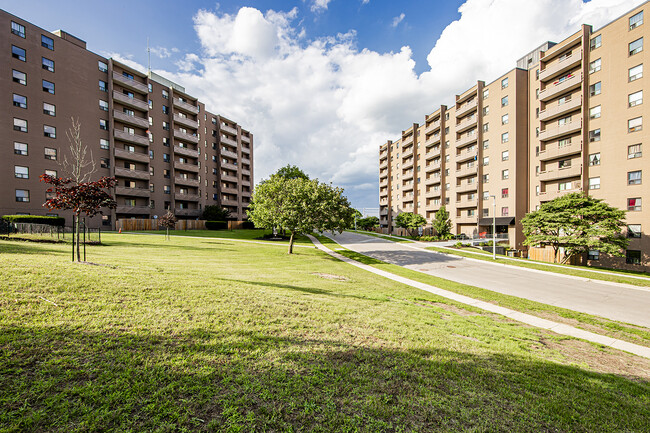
(168, 221)
(578, 223)
(410, 221)
(441, 223)
(367, 223)
(215, 213)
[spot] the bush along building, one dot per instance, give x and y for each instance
(569, 117)
(164, 148)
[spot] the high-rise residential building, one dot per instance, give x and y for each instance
(164, 148)
(569, 117)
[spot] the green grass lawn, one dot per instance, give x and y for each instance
(245, 234)
(215, 335)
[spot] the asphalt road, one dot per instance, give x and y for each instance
(612, 301)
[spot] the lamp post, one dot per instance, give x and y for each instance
(494, 227)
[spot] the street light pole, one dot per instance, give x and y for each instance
(494, 227)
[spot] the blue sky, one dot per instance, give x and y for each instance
(322, 83)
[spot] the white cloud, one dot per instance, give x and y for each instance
(161, 52)
(319, 5)
(365, 2)
(326, 106)
(398, 20)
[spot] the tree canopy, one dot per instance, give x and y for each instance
(168, 221)
(578, 223)
(215, 213)
(367, 223)
(291, 172)
(441, 223)
(300, 206)
(410, 221)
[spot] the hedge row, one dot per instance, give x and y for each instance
(35, 219)
(216, 225)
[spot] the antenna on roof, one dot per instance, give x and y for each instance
(149, 55)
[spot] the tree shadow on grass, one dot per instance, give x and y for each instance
(310, 290)
(64, 379)
(23, 247)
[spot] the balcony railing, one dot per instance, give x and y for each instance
(133, 210)
(467, 156)
(230, 178)
(132, 192)
(179, 180)
(187, 212)
(228, 202)
(549, 195)
(558, 88)
(185, 136)
(131, 120)
(131, 138)
(465, 219)
(466, 187)
(466, 139)
(130, 83)
(466, 171)
(228, 141)
(131, 174)
(131, 102)
(561, 173)
(562, 65)
(433, 126)
(186, 197)
(469, 203)
(553, 150)
(245, 139)
(557, 110)
(185, 106)
(567, 128)
(466, 124)
(229, 154)
(186, 122)
(469, 106)
(186, 167)
(131, 156)
(186, 152)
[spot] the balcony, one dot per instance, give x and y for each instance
(553, 194)
(130, 83)
(563, 65)
(186, 197)
(556, 89)
(185, 106)
(433, 126)
(432, 180)
(245, 161)
(188, 123)
(469, 203)
(131, 120)
(466, 187)
(467, 156)
(558, 131)
(194, 168)
(561, 173)
(246, 150)
(434, 193)
(228, 178)
(553, 151)
(228, 202)
(131, 138)
(465, 219)
(383, 181)
(466, 139)
(432, 140)
(131, 174)
(467, 171)
(466, 124)
(467, 94)
(187, 212)
(468, 107)
(130, 102)
(229, 154)
(245, 172)
(558, 110)
(228, 129)
(435, 165)
(133, 210)
(228, 166)
(408, 164)
(186, 137)
(407, 151)
(383, 212)
(131, 156)
(383, 201)
(228, 141)
(185, 181)
(132, 192)
(245, 139)
(229, 191)
(186, 152)
(407, 187)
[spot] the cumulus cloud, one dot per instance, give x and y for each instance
(398, 20)
(161, 52)
(326, 106)
(319, 5)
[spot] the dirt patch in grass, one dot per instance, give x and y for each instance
(605, 360)
(452, 308)
(330, 276)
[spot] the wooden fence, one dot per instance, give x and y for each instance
(547, 255)
(139, 225)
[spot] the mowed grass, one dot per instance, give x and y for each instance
(251, 235)
(216, 335)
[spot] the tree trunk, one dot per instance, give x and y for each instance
(78, 223)
(555, 251)
(291, 244)
(167, 237)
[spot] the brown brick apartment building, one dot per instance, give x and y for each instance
(164, 148)
(568, 118)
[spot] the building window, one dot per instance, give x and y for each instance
(20, 125)
(486, 144)
(634, 177)
(167, 189)
(504, 119)
(150, 87)
(47, 64)
(635, 98)
(486, 110)
(564, 120)
(504, 83)
(595, 42)
(564, 163)
(49, 131)
(49, 109)
(636, 20)
(486, 178)
(129, 148)
(635, 73)
(20, 148)
(22, 195)
(594, 113)
(594, 183)
(104, 143)
(505, 137)
(103, 67)
(18, 53)
(19, 77)
(52, 173)
(105, 163)
(634, 125)
(564, 142)
(165, 109)
(505, 174)
(505, 155)
(594, 159)
(20, 101)
(103, 86)
(537, 190)
(50, 153)
(594, 135)
(103, 105)
(103, 124)
(21, 172)
(150, 104)
(504, 101)
(165, 141)
(165, 126)
(486, 127)
(634, 151)
(504, 211)
(151, 154)
(594, 66)
(634, 230)
(18, 29)
(165, 94)
(593, 255)
(486, 160)
(165, 157)
(166, 174)
(634, 204)
(128, 75)
(633, 257)
(48, 87)
(504, 192)
(151, 187)
(564, 186)
(635, 47)
(594, 89)
(47, 42)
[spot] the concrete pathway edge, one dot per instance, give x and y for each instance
(528, 319)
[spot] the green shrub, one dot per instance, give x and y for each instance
(458, 244)
(216, 225)
(248, 225)
(35, 219)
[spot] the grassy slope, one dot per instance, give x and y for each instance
(197, 335)
(253, 235)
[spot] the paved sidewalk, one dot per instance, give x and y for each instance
(558, 328)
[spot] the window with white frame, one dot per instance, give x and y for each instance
(504, 119)
(594, 135)
(504, 101)
(504, 83)
(505, 174)
(504, 211)
(634, 204)
(635, 73)
(18, 29)
(20, 125)
(505, 155)
(593, 255)
(20, 101)
(564, 120)
(21, 172)
(594, 89)
(486, 93)
(594, 159)
(48, 87)
(634, 230)
(20, 148)
(49, 109)
(486, 160)
(22, 195)
(49, 131)
(634, 125)
(47, 64)
(47, 42)
(594, 182)
(103, 67)
(18, 53)
(594, 112)
(505, 137)
(19, 77)
(635, 99)
(594, 66)
(635, 47)
(634, 151)
(636, 20)
(486, 144)
(634, 177)
(103, 105)
(104, 143)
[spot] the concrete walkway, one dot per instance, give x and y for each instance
(620, 302)
(515, 315)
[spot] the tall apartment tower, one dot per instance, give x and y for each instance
(164, 148)
(568, 118)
